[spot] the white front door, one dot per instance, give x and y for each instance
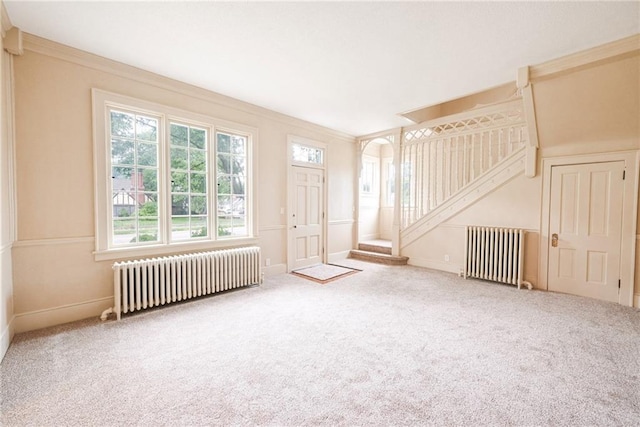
(307, 231)
(585, 224)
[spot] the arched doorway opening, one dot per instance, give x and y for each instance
(376, 192)
(378, 199)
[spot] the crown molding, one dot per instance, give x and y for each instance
(76, 56)
(628, 46)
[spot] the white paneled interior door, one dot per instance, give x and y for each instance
(307, 233)
(585, 224)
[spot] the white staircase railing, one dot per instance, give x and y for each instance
(442, 157)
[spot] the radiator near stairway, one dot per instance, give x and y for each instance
(147, 283)
(495, 254)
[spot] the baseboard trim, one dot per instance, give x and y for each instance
(435, 265)
(338, 256)
(275, 269)
(5, 338)
(39, 319)
(636, 300)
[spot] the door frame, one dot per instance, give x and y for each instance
(631, 161)
(291, 140)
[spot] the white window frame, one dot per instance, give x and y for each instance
(374, 177)
(102, 102)
(294, 141)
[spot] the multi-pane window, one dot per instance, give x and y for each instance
(305, 154)
(231, 165)
(369, 177)
(168, 177)
(134, 178)
(189, 200)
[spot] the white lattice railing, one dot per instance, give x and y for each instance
(441, 157)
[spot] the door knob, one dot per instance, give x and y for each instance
(554, 240)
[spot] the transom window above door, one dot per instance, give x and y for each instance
(306, 154)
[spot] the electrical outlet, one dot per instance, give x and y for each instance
(267, 262)
(446, 258)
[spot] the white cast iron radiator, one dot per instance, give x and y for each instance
(147, 283)
(495, 254)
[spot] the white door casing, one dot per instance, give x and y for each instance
(306, 202)
(631, 161)
(307, 231)
(585, 224)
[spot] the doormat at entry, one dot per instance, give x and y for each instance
(325, 273)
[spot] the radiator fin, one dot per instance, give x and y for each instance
(147, 283)
(495, 254)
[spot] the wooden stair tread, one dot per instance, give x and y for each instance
(371, 247)
(379, 258)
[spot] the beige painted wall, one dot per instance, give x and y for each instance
(515, 204)
(594, 109)
(55, 276)
(341, 186)
(6, 197)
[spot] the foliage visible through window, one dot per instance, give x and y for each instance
(134, 177)
(172, 176)
(189, 201)
(302, 153)
(231, 164)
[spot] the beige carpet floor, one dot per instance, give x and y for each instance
(387, 346)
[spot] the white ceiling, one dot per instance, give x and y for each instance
(351, 67)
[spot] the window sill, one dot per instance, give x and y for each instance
(170, 249)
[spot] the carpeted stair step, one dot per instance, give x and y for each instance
(378, 257)
(370, 247)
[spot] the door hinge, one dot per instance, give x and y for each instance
(618, 283)
(624, 174)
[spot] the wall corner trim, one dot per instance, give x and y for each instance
(6, 337)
